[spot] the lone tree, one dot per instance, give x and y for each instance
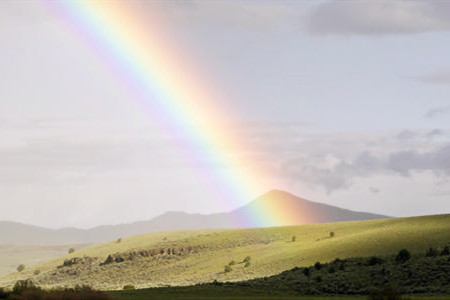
(20, 268)
(71, 250)
(332, 234)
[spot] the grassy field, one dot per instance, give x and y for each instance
(272, 250)
(13, 255)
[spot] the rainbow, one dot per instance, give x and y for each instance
(176, 97)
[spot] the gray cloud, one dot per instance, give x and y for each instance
(432, 113)
(439, 77)
(378, 18)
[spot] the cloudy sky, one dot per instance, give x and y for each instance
(349, 101)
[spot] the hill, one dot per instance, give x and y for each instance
(308, 212)
(196, 256)
(13, 255)
(423, 273)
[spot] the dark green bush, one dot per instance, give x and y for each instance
(374, 261)
(445, 251)
(432, 252)
(332, 234)
(20, 268)
(307, 272)
(317, 266)
(402, 256)
(128, 287)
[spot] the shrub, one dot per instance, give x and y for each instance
(232, 263)
(319, 278)
(374, 261)
(228, 269)
(21, 285)
(20, 268)
(247, 258)
(247, 264)
(431, 252)
(317, 266)
(71, 250)
(332, 234)
(445, 251)
(331, 270)
(402, 256)
(37, 272)
(119, 240)
(306, 272)
(128, 287)
(294, 238)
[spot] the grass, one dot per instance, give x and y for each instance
(30, 255)
(271, 250)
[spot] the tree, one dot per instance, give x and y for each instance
(317, 266)
(71, 250)
(403, 256)
(294, 238)
(119, 240)
(20, 268)
(445, 251)
(332, 234)
(306, 272)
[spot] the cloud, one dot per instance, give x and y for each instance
(432, 113)
(377, 18)
(439, 77)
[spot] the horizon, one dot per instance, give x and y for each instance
(113, 113)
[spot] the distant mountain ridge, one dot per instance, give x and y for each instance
(310, 212)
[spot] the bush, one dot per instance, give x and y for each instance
(374, 261)
(23, 285)
(332, 234)
(247, 264)
(71, 250)
(402, 256)
(228, 269)
(431, 252)
(387, 293)
(20, 268)
(294, 238)
(119, 240)
(37, 272)
(128, 287)
(445, 251)
(247, 258)
(232, 263)
(317, 266)
(306, 272)
(331, 270)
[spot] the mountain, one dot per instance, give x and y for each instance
(304, 212)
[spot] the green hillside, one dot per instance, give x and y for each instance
(190, 257)
(13, 255)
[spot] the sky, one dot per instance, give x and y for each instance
(345, 102)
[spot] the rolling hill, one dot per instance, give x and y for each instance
(194, 256)
(309, 213)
